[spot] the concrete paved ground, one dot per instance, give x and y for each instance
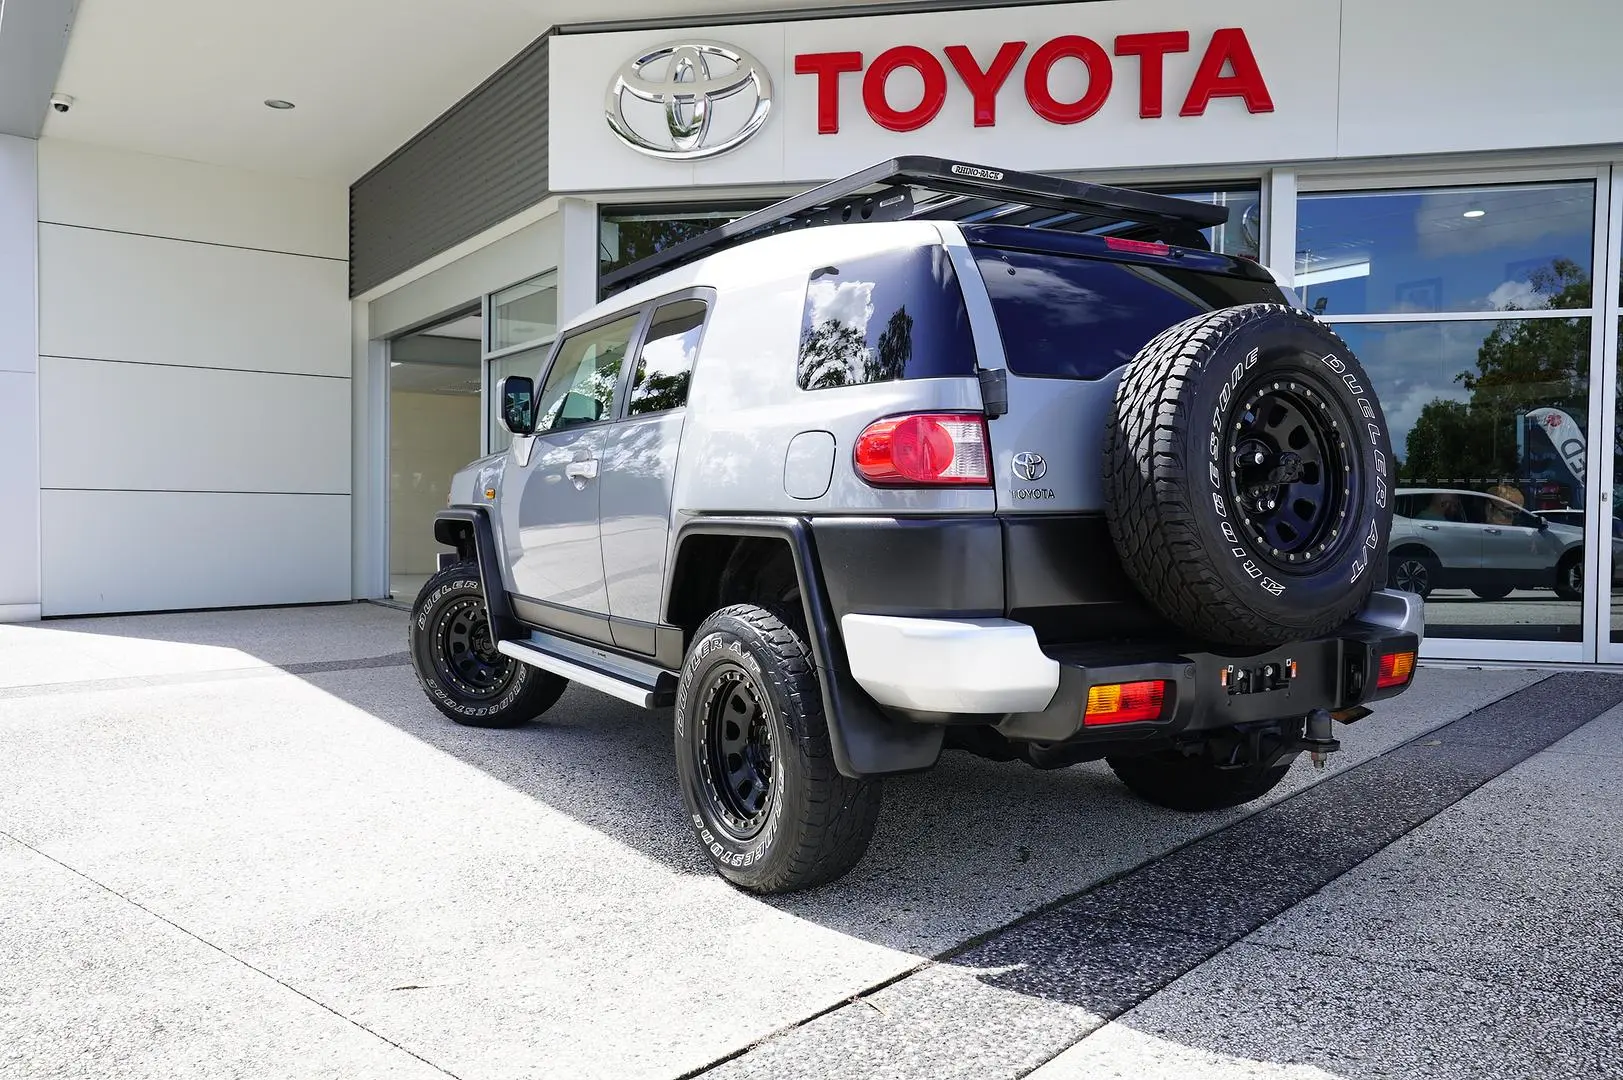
(244, 844)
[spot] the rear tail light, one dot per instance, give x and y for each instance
(1396, 668)
(925, 449)
(1137, 247)
(1125, 703)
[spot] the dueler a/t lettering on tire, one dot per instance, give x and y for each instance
(763, 795)
(1247, 476)
(454, 654)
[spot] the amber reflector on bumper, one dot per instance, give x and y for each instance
(1395, 669)
(1123, 703)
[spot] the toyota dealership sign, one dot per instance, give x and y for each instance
(1122, 83)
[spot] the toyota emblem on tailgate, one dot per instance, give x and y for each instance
(687, 80)
(1030, 467)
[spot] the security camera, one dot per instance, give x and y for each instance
(61, 102)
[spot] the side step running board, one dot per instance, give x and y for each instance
(647, 685)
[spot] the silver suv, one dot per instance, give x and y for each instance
(936, 455)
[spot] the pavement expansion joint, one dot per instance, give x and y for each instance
(1074, 965)
(223, 952)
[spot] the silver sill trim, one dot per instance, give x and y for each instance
(596, 680)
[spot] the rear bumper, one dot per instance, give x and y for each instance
(994, 671)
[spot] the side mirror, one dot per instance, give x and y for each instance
(1543, 522)
(517, 395)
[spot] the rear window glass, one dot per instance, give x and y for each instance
(1077, 318)
(896, 315)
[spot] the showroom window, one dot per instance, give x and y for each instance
(520, 325)
(1471, 309)
(1242, 234)
(629, 233)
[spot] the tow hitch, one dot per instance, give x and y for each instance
(1318, 737)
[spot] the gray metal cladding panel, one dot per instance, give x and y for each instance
(477, 165)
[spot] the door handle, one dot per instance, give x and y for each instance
(1494, 532)
(1432, 528)
(581, 471)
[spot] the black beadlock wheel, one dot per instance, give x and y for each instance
(769, 808)
(1247, 476)
(458, 666)
(736, 754)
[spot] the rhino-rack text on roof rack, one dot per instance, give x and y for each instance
(950, 190)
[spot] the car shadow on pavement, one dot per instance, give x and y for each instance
(963, 848)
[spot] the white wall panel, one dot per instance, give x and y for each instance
(103, 188)
(112, 296)
(19, 490)
(180, 550)
(17, 235)
(141, 426)
(1451, 75)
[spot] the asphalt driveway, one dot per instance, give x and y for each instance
(243, 844)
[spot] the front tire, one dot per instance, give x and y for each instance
(1195, 784)
(769, 808)
(454, 653)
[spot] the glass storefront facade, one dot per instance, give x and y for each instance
(1472, 310)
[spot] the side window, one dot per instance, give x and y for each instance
(896, 315)
(580, 386)
(1403, 506)
(666, 364)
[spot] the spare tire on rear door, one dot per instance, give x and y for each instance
(1247, 476)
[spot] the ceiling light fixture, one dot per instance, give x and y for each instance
(278, 103)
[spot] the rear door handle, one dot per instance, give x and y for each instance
(1494, 532)
(582, 471)
(1433, 528)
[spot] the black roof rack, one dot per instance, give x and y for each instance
(931, 188)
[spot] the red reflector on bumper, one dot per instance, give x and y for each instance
(1125, 703)
(1396, 668)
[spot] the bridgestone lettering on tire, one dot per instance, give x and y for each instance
(1248, 476)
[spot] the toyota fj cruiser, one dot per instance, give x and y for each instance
(935, 455)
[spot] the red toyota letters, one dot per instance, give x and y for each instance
(1227, 69)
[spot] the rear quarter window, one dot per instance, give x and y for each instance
(1068, 317)
(895, 315)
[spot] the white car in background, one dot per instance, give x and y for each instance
(1453, 538)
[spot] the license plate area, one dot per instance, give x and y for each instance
(1260, 677)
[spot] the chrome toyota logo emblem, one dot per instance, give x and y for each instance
(1029, 466)
(689, 100)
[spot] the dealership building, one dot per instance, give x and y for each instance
(260, 270)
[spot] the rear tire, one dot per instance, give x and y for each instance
(454, 653)
(769, 808)
(1194, 784)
